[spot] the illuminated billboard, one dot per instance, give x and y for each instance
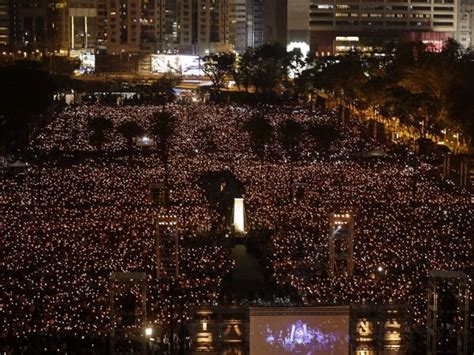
(187, 65)
(302, 330)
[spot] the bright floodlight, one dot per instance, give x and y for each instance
(148, 331)
(239, 219)
(303, 47)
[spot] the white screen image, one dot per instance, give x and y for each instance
(299, 334)
(187, 65)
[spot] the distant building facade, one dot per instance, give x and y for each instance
(247, 24)
(4, 22)
(466, 23)
(203, 26)
(136, 26)
(322, 23)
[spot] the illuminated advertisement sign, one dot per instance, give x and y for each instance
(365, 332)
(392, 335)
(222, 328)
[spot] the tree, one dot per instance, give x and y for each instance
(269, 67)
(162, 90)
(461, 103)
(164, 128)
(99, 127)
(436, 75)
(218, 66)
(130, 130)
(241, 71)
(261, 132)
(344, 77)
(26, 94)
(414, 110)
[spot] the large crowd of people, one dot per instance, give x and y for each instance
(77, 214)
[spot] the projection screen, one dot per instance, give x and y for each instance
(302, 330)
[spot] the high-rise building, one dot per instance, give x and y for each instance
(151, 26)
(4, 22)
(238, 24)
(255, 22)
(203, 26)
(37, 24)
(246, 24)
(169, 19)
(466, 23)
(362, 23)
(123, 26)
(129, 26)
(275, 21)
(135, 26)
(32, 26)
(82, 24)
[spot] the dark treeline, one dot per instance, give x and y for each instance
(427, 90)
(27, 92)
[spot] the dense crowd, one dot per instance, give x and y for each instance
(68, 222)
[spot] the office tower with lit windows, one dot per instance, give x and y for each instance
(129, 26)
(169, 19)
(4, 22)
(152, 25)
(238, 24)
(275, 21)
(246, 24)
(32, 24)
(82, 24)
(203, 26)
(335, 26)
(255, 22)
(123, 26)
